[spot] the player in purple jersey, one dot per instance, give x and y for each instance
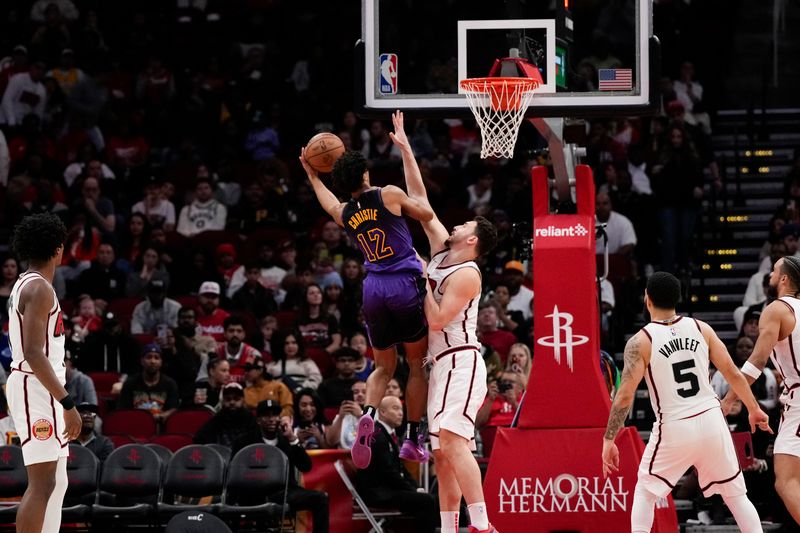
(394, 289)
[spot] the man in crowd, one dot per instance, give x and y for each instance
(488, 332)
(151, 390)
(155, 310)
(521, 296)
(237, 352)
(205, 213)
(98, 444)
(211, 318)
(262, 386)
(231, 422)
(336, 389)
(207, 391)
(103, 280)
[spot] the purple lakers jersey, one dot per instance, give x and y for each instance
(383, 237)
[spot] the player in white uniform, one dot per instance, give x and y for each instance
(672, 353)
(43, 412)
(779, 338)
(457, 383)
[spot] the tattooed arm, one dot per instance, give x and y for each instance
(637, 352)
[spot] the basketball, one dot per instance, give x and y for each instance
(323, 150)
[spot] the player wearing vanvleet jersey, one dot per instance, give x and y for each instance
(394, 289)
(43, 412)
(779, 338)
(672, 353)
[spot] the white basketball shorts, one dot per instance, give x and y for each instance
(38, 418)
(703, 441)
(788, 439)
(456, 390)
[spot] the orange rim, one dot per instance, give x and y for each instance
(504, 93)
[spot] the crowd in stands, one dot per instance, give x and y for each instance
(200, 269)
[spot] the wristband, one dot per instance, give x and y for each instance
(67, 402)
(749, 369)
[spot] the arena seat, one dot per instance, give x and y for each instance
(194, 471)
(173, 442)
(123, 308)
(187, 421)
(13, 480)
(83, 468)
(286, 319)
(255, 473)
(120, 440)
(222, 450)
(323, 360)
(135, 423)
(164, 453)
(132, 475)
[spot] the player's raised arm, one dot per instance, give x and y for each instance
(410, 206)
(719, 355)
(462, 286)
(434, 229)
(637, 351)
(329, 202)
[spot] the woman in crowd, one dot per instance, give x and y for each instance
(8, 277)
(148, 268)
(318, 328)
(133, 241)
(291, 364)
(309, 419)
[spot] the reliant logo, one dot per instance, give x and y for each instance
(563, 494)
(578, 230)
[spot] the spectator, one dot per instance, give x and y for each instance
(24, 94)
(488, 332)
(333, 251)
(364, 364)
(110, 349)
(211, 318)
(80, 249)
(766, 296)
(261, 386)
(160, 212)
(98, 209)
(79, 386)
(151, 390)
(226, 263)
(134, 240)
(309, 420)
(344, 428)
(93, 167)
(231, 422)
(393, 388)
(207, 391)
(501, 402)
(750, 325)
(519, 361)
(765, 388)
(267, 327)
(270, 276)
(259, 207)
(86, 320)
(252, 297)
(156, 310)
(291, 363)
(787, 244)
(521, 296)
(619, 229)
(127, 149)
(479, 194)
(103, 280)
(8, 278)
(98, 444)
(204, 213)
(386, 482)
(181, 363)
(278, 432)
(66, 73)
(510, 320)
(318, 329)
(189, 335)
(334, 390)
(332, 297)
(690, 93)
(238, 353)
(148, 267)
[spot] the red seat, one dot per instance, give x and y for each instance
(187, 421)
(187, 301)
(209, 240)
(103, 382)
(135, 423)
(171, 441)
(286, 319)
(487, 437)
(323, 359)
(144, 339)
(120, 440)
(330, 413)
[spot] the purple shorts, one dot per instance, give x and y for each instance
(394, 306)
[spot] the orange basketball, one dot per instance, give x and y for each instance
(323, 150)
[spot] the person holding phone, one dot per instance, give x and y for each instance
(344, 428)
(309, 420)
(501, 402)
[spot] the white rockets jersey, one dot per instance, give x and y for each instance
(54, 339)
(784, 356)
(678, 372)
(461, 332)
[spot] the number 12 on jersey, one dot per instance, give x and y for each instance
(374, 245)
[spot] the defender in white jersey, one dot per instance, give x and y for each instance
(43, 412)
(779, 339)
(457, 383)
(672, 353)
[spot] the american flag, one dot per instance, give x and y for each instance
(615, 79)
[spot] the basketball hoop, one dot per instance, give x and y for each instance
(499, 105)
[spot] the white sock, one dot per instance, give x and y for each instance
(478, 518)
(744, 512)
(449, 521)
(643, 510)
(52, 514)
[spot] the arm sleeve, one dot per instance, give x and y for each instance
(184, 227)
(313, 375)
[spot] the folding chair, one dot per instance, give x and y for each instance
(257, 471)
(164, 453)
(222, 450)
(195, 471)
(13, 480)
(375, 517)
(82, 470)
(131, 474)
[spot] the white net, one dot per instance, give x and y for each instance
(499, 105)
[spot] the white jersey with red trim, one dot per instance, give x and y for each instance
(462, 330)
(786, 355)
(678, 372)
(54, 337)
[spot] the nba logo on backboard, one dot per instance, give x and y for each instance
(388, 74)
